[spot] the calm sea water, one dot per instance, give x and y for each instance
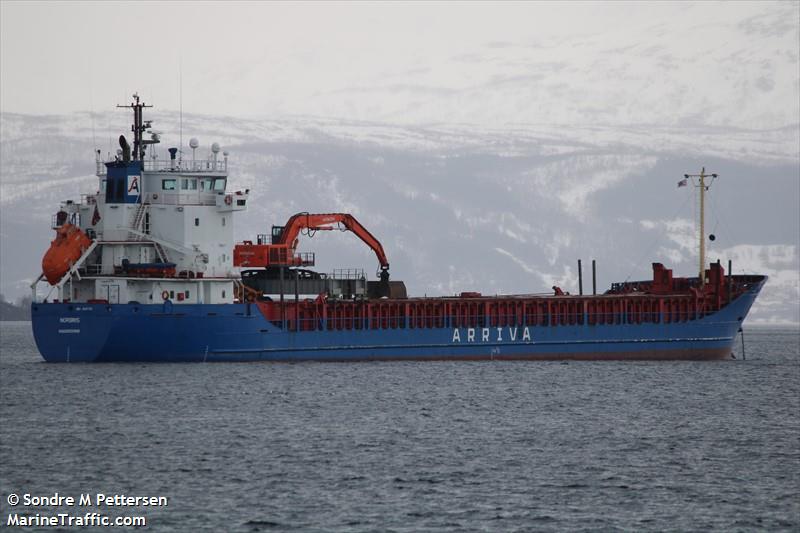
(486, 446)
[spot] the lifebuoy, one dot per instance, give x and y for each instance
(228, 200)
(165, 295)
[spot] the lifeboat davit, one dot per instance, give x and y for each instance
(68, 246)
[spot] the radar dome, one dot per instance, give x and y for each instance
(215, 147)
(193, 142)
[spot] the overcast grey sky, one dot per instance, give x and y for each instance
(724, 64)
(585, 116)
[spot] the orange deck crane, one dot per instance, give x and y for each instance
(281, 250)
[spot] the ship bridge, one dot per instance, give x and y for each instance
(154, 225)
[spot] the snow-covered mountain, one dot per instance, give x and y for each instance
(457, 208)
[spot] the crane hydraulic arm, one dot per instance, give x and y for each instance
(281, 251)
(330, 221)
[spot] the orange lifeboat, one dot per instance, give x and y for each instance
(66, 248)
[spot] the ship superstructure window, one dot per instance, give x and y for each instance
(115, 190)
(219, 184)
(197, 222)
(188, 184)
(168, 185)
(207, 184)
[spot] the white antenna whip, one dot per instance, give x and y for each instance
(91, 103)
(180, 105)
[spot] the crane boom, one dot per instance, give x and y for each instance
(329, 221)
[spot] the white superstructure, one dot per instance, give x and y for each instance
(159, 229)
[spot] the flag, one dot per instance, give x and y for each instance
(96, 216)
(682, 183)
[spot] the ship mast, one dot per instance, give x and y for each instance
(702, 230)
(138, 128)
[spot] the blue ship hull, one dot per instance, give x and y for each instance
(82, 332)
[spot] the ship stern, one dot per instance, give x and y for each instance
(67, 332)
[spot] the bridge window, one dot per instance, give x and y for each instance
(206, 184)
(168, 185)
(188, 184)
(219, 184)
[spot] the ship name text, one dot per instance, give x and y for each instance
(491, 335)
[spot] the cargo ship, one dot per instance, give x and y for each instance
(146, 269)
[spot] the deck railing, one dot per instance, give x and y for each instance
(169, 165)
